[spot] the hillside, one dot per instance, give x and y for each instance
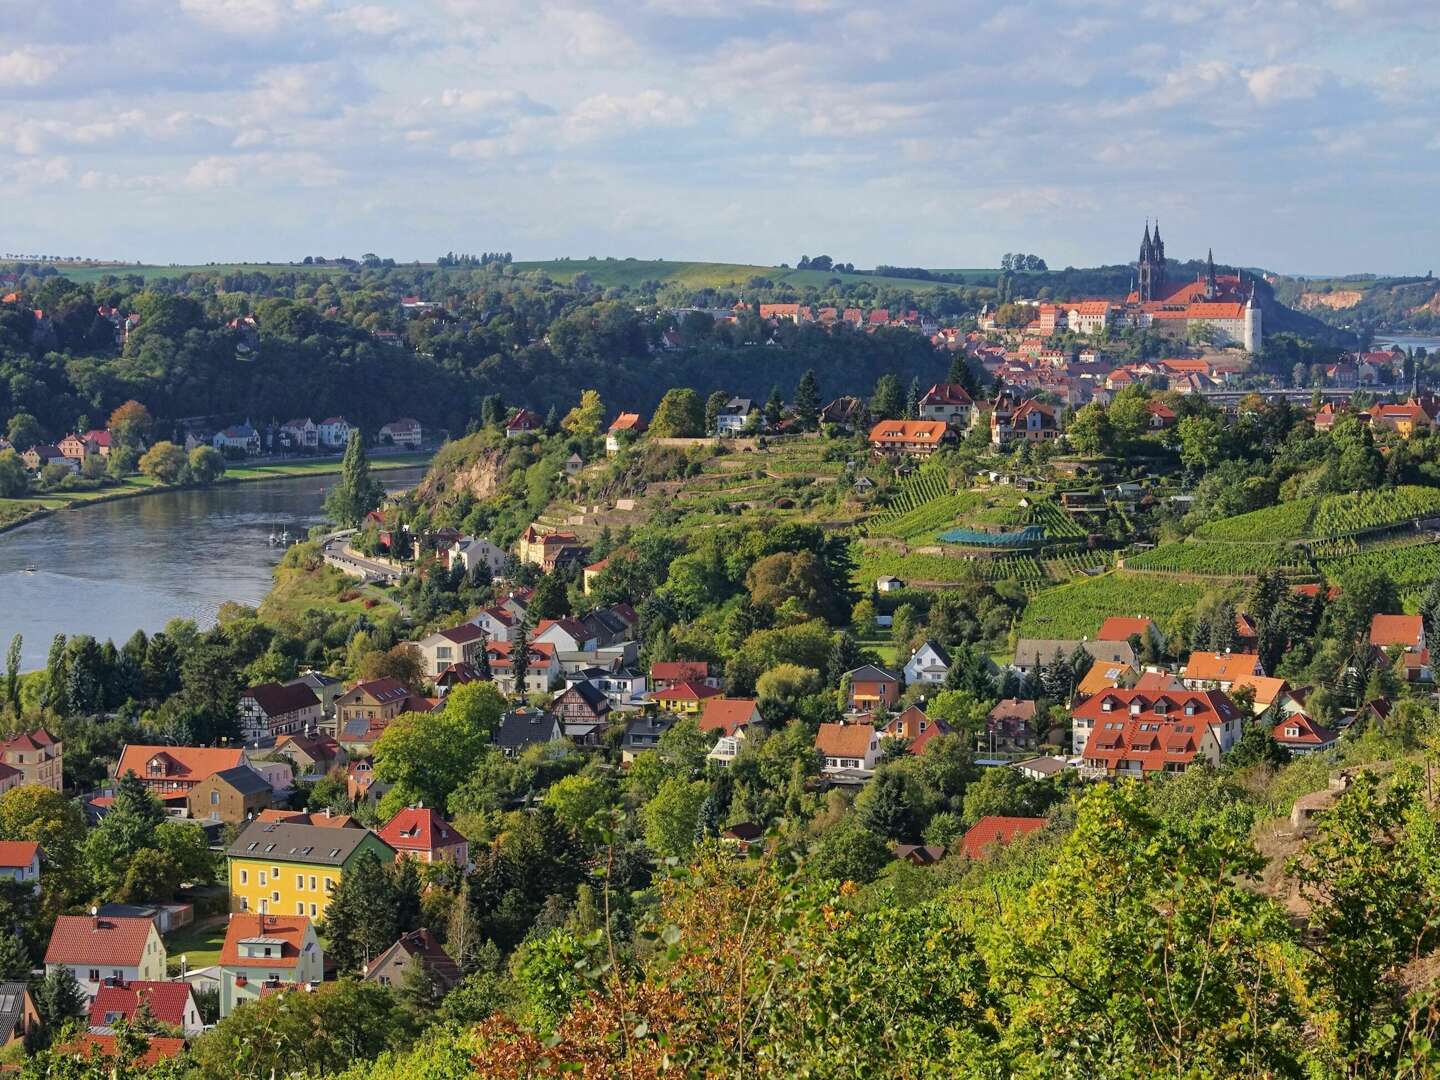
(1365, 301)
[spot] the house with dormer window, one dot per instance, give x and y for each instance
(265, 954)
(1140, 732)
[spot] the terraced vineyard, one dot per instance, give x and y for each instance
(1064, 567)
(1219, 559)
(1412, 568)
(872, 563)
(1327, 518)
(1077, 609)
(1058, 525)
(928, 518)
(924, 487)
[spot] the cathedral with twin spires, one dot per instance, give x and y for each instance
(1224, 303)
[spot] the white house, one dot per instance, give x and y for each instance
(267, 952)
(403, 432)
(847, 748)
(928, 664)
(470, 551)
(111, 947)
(300, 434)
(453, 645)
(499, 623)
(19, 860)
(334, 432)
(241, 437)
(567, 635)
(734, 417)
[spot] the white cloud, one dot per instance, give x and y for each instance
(210, 173)
(1283, 82)
(607, 114)
(27, 66)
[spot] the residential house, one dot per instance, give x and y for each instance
(18, 1015)
(375, 703)
(584, 710)
(457, 675)
(361, 783)
(325, 687)
(174, 770)
(911, 438)
(567, 635)
(1030, 421)
(590, 574)
(468, 552)
(1032, 654)
(1121, 628)
(523, 422)
(948, 402)
(687, 698)
(403, 432)
(626, 427)
(542, 669)
(37, 755)
(1267, 692)
(847, 749)
(731, 717)
(392, 967)
(19, 861)
(521, 729)
(454, 645)
(609, 626)
(1040, 768)
(872, 688)
(311, 756)
(920, 854)
(418, 832)
(1404, 419)
(623, 686)
(847, 413)
(1301, 735)
(242, 438)
(271, 710)
(888, 584)
(498, 623)
(98, 949)
(548, 550)
(171, 1003)
(1010, 726)
(37, 457)
(1159, 416)
(643, 732)
(94, 443)
(103, 1051)
(1406, 633)
(1219, 671)
(278, 867)
(665, 674)
(334, 432)
(265, 953)
(928, 664)
(912, 725)
(994, 830)
(231, 795)
(1104, 677)
(1138, 733)
(734, 416)
(299, 434)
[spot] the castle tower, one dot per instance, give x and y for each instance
(1252, 323)
(1151, 266)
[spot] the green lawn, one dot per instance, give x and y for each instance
(90, 274)
(200, 944)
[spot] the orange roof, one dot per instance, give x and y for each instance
(287, 930)
(189, 763)
(165, 1000)
(1404, 630)
(161, 1048)
(106, 941)
(1221, 667)
(300, 817)
(728, 715)
(687, 691)
(627, 421)
(1267, 690)
(910, 724)
(844, 740)
(18, 853)
(994, 829)
(1117, 628)
(679, 671)
(912, 432)
(1216, 311)
(419, 828)
(1103, 676)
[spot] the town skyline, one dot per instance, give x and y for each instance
(253, 130)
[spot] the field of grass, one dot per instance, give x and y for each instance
(1077, 609)
(200, 944)
(90, 274)
(702, 275)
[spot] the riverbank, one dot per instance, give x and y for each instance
(17, 512)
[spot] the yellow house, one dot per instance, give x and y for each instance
(279, 868)
(685, 698)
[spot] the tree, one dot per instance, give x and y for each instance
(670, 816)
(849, 852)
(576, 799)
(714, 406)
(363, 917)
(432, 753)
(130, 425)
(357, 492)
(1201, 442)
(59, 998)
(885, 806)
(13, 479)
(807, 400)
(680, 415)
(520, 656)
(585, 419)
(400, 662)
(912, 400)
(1003, 793)
(782, 688)
(12, 673)
(23, 431)
(1128, 415)
(164, 462)
(888, 400)
(206, 465)
(1089, 432)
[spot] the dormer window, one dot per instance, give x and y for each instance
(1189, 708)
(1108, 705)
(1292, 732)
(1135, 708)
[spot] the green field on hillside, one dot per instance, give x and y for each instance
(90, 274)
(1326, 517)
(1076, 610)
(701, 275)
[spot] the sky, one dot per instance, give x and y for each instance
(1298, 135)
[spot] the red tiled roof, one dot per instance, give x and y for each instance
(993, 829)
(687, 691)
(462, 634)
(1118, 628)
(844, 740)
(29, 740)
(289, 930)
(573, 627)
(301, 817)
(727, 715)
(1310, 733)
(947, 394)
(165, 1000)
(1159, 733)
(420, 829)
(161, 1048)
(189, 763)
(18, 854)
(909, 432)
(1404, 630)
(627, 421)
(104, 941)
(679, 671)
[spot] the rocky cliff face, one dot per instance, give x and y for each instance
(478, 472)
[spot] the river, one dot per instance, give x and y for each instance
(112, 568)
(1407, 341)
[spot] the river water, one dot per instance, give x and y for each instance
(110, 569)
(1407, 341)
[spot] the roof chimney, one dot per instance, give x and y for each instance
(94, 918)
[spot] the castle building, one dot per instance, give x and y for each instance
(1220, 307)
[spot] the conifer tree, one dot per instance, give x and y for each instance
(358, 492)
(807, 399)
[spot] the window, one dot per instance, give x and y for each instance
(263, 879)
(312, 911)
(1292, 732)
(299, 909)
(275, 896)
(214, 798)
(94, 974)
(312, 882)
(275, 873)
(329, 884)
(244, 904)
(299, 881)
(244, 877)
